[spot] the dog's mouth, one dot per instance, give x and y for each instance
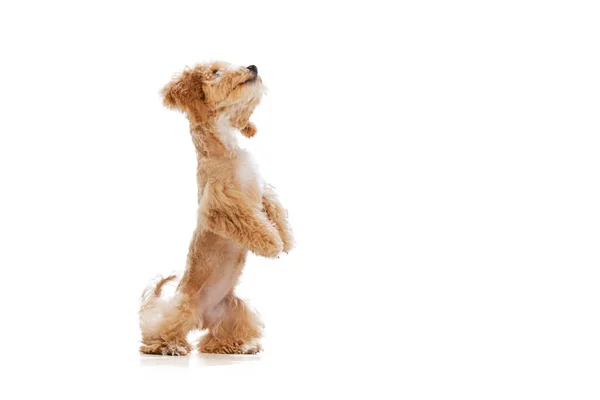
(251, 80)
(248, 81)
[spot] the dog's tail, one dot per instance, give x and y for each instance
(153, 292)
(153, 307)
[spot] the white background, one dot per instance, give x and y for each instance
(439, 160)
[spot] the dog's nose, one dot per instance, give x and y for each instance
(253, 68)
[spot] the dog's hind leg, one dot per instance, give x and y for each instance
(232, 328)
(165, 325)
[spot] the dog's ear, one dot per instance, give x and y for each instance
(183, 90)
(170, 94)
(177, 91)
(184, 93)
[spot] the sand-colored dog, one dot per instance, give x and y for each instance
(237, 212)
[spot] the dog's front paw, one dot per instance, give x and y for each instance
(270, 250)
(267, 244)
(167, 348)
(287, 237)
(288, 245)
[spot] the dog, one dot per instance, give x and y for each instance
(237, 213)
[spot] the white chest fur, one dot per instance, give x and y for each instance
(226, 132)
(246, 170)
(247, 173)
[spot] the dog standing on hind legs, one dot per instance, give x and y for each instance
(237, 212)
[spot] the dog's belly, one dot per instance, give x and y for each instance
(222, 266)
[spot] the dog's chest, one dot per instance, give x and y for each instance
(247, 173)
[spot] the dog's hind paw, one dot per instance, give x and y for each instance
(252, 347)
(167, 349)
(209, 344)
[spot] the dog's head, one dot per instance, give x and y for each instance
(214, 89)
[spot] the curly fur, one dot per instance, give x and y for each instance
(237, 212)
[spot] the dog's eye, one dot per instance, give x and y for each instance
(216, 72)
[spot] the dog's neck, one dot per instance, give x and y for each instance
(226, 133)
(215, 138)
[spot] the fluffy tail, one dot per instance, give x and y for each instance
(153, 308)
(152, 293)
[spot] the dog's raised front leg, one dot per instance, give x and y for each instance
(229, 215)
(278, 215)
